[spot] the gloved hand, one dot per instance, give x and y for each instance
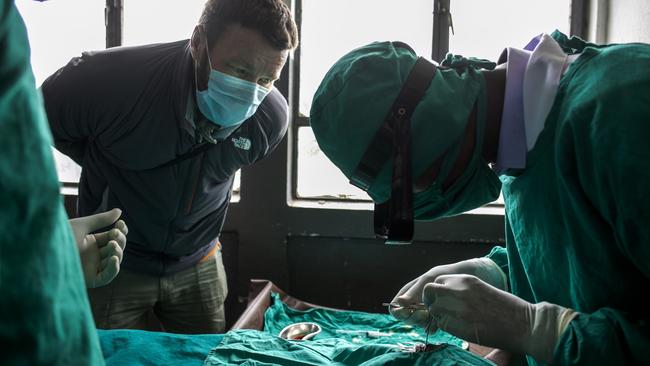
(471, 309)
(411, 293)
(101, 253)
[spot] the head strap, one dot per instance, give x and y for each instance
(394, 218)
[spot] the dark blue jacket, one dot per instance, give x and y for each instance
(121, 113)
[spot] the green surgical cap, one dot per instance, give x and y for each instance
(356, 94)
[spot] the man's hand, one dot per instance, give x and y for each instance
(411, 293)
(471, 309)
(101, 253)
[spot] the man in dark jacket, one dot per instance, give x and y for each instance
(160, 131)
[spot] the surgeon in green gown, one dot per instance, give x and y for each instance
(45, 317)
(562, 128)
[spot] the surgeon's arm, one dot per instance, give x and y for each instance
(616, 165)
(610, 335)
(499, 256)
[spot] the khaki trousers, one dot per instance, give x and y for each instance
(191, 301)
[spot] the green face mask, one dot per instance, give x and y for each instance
(475, 187)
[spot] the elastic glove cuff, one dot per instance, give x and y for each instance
(547, 323)
(565, 318)
(488, 271)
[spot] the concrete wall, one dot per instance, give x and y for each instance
(628, 21)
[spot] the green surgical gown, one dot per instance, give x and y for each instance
(44, 313)
(578, 215)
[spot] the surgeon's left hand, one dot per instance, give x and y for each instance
(471, 309)
(100, 253)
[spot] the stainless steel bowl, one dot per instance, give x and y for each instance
(300, 331)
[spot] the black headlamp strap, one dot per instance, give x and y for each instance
(394, 219)
(380, 148)
(399, 228)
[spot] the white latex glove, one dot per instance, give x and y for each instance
(411, 293)
(471, 309)
(101, 253)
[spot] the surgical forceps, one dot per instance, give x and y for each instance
(411, 307)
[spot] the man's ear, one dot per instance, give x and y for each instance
(196, 42)
(198, 50)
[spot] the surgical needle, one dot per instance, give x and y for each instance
(414, 307)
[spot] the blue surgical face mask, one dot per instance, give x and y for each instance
(229, 101)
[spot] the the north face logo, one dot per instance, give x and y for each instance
(241, 143)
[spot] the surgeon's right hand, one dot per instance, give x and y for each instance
(412, 292)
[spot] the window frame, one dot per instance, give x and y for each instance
(296, 122)
(114, 21)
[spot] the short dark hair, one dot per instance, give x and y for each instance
(272, 18)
